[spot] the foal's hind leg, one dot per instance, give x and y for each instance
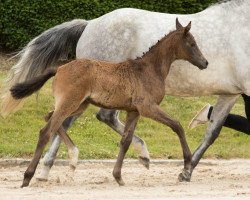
(131, 121)
(52, 126)
(62, 110)
(72, 151)
(111, 118)
(49, 158)
(154, 112)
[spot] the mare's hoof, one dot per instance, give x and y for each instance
(44, 175)
(41, 179)
(185, 176)
(144, 161)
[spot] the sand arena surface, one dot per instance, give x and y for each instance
(212, 179)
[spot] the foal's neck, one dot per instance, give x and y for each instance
(162, 54)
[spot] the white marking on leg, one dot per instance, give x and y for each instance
(73, 159)
(43, 176)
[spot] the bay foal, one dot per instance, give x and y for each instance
(136, 86)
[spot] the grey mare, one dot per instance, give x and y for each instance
(222, 32)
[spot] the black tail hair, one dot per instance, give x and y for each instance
(25, 89)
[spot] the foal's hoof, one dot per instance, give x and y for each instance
(185, 176)
(42, 177)
(120, 181)
(144, 161)
(25, 183)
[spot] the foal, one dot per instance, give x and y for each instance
(136, 86)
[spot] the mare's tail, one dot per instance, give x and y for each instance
(41, 53)
(25, 89)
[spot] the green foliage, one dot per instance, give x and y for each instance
(23, 20)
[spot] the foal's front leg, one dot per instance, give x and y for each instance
(131, 121)
(154, 112)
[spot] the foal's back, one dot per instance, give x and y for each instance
(106, 84)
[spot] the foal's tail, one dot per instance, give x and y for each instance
(40, 54)
(25, 89)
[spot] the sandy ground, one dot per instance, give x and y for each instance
(212, 179)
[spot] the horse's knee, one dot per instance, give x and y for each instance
(177, 127)
(211, 135)
(126, 141)
(138, 140)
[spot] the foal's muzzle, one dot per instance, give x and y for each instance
(203, 65)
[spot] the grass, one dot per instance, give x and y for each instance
(19, 131)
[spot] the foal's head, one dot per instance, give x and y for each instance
(187, 48)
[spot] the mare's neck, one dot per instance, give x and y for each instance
(161, 55)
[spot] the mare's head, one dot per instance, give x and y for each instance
(187, 48)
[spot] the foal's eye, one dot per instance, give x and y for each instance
(193, 45)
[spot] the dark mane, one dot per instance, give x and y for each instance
(157, 43)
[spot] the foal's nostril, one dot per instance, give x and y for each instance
(206, 63)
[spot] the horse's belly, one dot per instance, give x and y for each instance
(185, 79)
(111, 101)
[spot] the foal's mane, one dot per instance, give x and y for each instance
(157, 43)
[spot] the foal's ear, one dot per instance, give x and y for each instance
(187, 28)
(178, 24)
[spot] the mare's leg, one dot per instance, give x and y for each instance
(50, 155)
(131, 121)
(236, 122)
(218, 116)
(154, 112)
(111, 118)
